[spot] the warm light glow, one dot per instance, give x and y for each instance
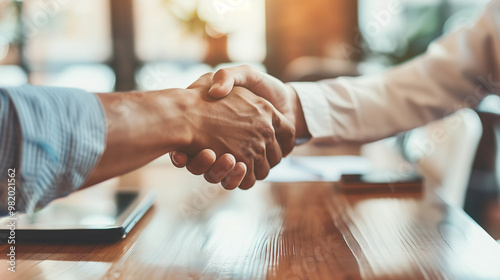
(243, 21)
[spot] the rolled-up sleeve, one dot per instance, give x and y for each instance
(54, 137)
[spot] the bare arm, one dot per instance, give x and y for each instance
(141, 127)
(144, 126)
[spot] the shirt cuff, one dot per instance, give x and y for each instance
(315, 107)
(63, 134)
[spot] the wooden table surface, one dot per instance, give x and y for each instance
(273, 231)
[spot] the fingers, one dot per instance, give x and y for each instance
(220, 169)
(223, 170)
(201, 162)
(224, 80)
(233, 180)
(274, 153)
(203, 82)
(271, 89)
(261, 166)
(267, 153)
(285, 132)
(222, 85)
(249, 179)
(179, 159)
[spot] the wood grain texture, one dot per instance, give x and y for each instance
(273, 231)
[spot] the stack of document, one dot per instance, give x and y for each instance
(322, 168)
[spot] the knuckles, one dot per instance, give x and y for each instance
(260, 150)
(267, 133)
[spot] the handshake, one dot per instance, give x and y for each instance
(241, 123)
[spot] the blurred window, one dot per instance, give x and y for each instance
(64, 42)
(171, 37)
(171, 30)
(67, 31)
(398, 30)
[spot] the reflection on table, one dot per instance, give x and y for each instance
(275, 231)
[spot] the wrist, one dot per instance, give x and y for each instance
(299, 120)
(171, 106)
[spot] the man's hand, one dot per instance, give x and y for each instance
(282, 96)
(245, 125)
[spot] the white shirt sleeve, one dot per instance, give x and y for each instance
(457, 71)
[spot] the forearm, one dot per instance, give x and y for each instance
(141, 126)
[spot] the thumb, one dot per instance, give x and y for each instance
(179, 159)
(222, 84)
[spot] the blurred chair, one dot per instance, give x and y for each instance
(460, 155)
(444, 153)
(482, 202)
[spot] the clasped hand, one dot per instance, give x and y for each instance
(249, 121)
(241, 137)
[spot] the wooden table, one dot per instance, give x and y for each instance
(273, 231)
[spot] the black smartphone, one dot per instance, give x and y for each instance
(380, 181)
(102, 215)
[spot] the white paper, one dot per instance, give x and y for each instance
(314, 169)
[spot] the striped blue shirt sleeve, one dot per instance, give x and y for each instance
(52, 137)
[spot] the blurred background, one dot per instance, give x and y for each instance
(122, 45)
(152, 44)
